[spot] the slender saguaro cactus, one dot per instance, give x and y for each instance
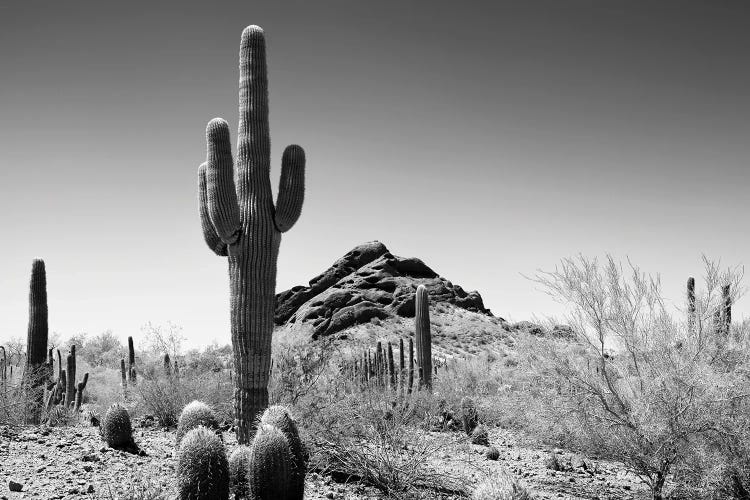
(726, 313)
(131, 361)
(167, 365)
(423, 337)
(691, 304)
(391, 367)
(3, 369)
(79, 391)
(36, 342)
(411, 364)
(242, 222)
(123, 374)
(70, 390)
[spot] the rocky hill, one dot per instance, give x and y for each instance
(368, 283)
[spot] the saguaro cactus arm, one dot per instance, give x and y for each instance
(222, 196)
(291, 188)
(209, 233)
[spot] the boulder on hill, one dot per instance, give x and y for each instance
(368, 282)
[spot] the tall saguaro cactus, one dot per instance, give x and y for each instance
(242, 222)
(423, 337)
(36, 342)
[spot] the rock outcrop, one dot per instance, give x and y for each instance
(368, 282)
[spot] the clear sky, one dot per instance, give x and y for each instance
(488, 138)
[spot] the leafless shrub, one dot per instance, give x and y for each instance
(368, 438)
(636, 385)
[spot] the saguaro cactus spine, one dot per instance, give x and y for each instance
(36, 341)
(423, 337)
(241, 222)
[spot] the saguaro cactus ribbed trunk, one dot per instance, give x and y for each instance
(423, 337)
(36, 342)
(241, 222)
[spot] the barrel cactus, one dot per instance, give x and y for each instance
(480, 436)
(116, 428)
(202, 467)
(241, 221)
(271, 464)
(194, 414)
(239, 463)
(492, 453)
(279, 417)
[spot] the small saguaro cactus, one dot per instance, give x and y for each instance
(279, 417)
(36, 342)
(726, 312)
(270, 470)
(423, 337)
(411, 365)
(242, 222)
(79, 391)
(131, 362)
(202, 467)
(70, 390)
(123, 374)
(691, 304)
(167, 365)
(391, 367)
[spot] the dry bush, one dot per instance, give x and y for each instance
(165, 396)
(377, 438)
(637, 385)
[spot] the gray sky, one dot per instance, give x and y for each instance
(487, 138)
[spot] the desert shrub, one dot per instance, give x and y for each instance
(195, 414)
(380, 441)
(501, 487)
(202, 466)
(299, 367)
(635, 384)
(165, 396)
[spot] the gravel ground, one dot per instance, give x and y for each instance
(73, 462)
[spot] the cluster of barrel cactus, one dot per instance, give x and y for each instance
(273, 466)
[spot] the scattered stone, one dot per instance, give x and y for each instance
(15, 486)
